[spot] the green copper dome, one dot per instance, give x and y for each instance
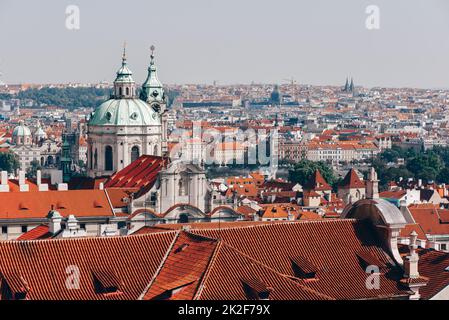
(122, 112)
(21, 130)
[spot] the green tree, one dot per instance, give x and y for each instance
(425, 166)
(443, 175)
(34, 166)
(304, 169)
(8, 161)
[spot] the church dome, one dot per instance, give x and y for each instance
(21, 131)
(124, 112)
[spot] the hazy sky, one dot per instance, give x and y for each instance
(231, 41)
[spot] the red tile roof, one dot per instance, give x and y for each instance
(431, 219)
(331, 245)
(352, 180)
(141, 174)
(47, 266)
(80, 203)
(40, 232)
(432, 264)
(183, 269)
(317, 183)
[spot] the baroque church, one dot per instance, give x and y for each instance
(127, 140)
(127, 126)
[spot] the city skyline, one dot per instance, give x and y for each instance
(317, 44)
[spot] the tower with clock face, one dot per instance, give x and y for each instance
(153, 94)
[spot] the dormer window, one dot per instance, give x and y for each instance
(256, 289)
(106, 282)
(134, 116)
(368, 259)
(15, 286)
(108, 116)
(303, 268)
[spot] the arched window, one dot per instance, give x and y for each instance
(135, 154)
(42, 161)
(183, 218)
(127, 91)
(120, 91)
(95, 159)
(50, 160)
(108, 164)
(155, 151)
(90, 158)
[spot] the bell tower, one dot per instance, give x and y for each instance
(153, 93)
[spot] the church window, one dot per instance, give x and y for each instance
(120, 91)
(95, 159)
(135, 153)
(155, 151)
(108, 163)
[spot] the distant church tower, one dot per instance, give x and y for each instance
(153, 94)
(122, 128)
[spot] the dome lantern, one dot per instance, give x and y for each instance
(124, 85)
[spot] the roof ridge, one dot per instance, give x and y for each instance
(208, 269)
(161, 265)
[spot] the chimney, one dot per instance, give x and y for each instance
(41, 187)
(411, 275)
(4, 186)
(101, 186)
(62, 187)
(72, 229)
(372, 185)
(419, 183)
(411, 261)
(55, 220)
(22, 185)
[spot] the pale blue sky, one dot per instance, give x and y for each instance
(231, 41)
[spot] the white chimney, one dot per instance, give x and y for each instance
(411, 261)
(101, 186)
(4, 186)
(62, 187)
(22, 185)
(411, 274)
(41, 187)
(55, 220)
(72, 229)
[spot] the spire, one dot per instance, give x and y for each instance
(152, 89)
(124, 82)
(346, 85)
(124, 54)
(351, 86)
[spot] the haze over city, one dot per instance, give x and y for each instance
(313, 42)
